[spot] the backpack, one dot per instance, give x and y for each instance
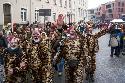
(113, 42)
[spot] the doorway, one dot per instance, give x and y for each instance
(7, 13)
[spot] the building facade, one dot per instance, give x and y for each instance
(100, 14)
(114, 9)
(111, 10)
(22, 11)
(119, 8)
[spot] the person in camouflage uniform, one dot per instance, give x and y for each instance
(14, 62)
(40, 63)
(89, 46)
(93, 47)
(74, 51)
(75, 61)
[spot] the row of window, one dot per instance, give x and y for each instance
(111, 16)
(120, 4)
(108, 6)
(119, 10)
(60, 3)
(24, 14)
(81, 12)
(82, 2)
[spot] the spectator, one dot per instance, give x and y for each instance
(60, 67)
(114, 43)
(81, 28)
(121, 35)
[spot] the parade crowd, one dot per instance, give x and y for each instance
(38, 51)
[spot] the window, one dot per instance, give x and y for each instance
(54, 2)
(23, 14)
(118, 9)
(98, 13)
(122, 4)
(79, 11)
(36, 15)
(60, 3)
(65, 4)
(109, 10)
(91, 11)
(99, 8)
(121, 9)
(108, 6)
(69, 3)
(112, 4)
(118, 3)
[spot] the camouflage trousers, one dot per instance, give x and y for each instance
(16, 78)
(41, 75)
(74, 75)
(90, 68)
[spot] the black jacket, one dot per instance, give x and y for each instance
(3, 42)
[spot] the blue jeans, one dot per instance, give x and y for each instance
(60, 65)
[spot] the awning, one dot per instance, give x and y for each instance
(117, 21)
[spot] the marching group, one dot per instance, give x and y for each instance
(36, 51)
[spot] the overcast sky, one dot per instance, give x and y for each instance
(96, 3)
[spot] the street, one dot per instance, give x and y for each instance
(36, 34)
(108, 70)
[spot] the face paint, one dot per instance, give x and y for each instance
(36, 36)
(14, 43)
(60, 20)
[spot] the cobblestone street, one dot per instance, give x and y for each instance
(109, 70)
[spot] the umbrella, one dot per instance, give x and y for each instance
(117, 21)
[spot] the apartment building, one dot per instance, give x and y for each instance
(22, 11)
(111, 10)
(119, 8)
